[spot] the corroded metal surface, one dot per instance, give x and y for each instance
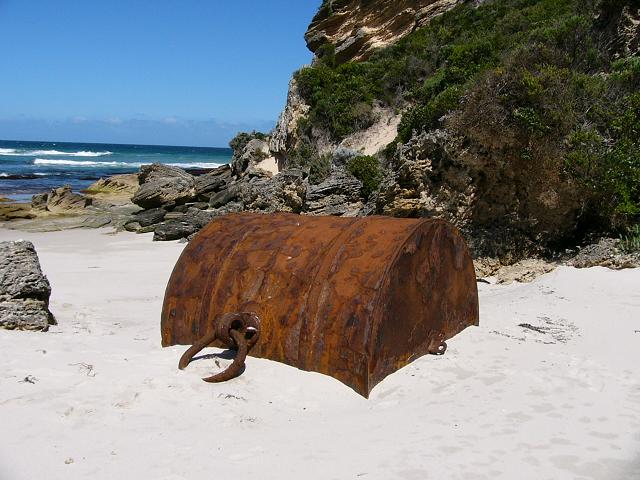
(354, 298)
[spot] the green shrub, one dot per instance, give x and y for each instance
(445, 56)
(305, 156)
(367, 170)
(606, 159)
(341, 98)
(535, 81)
(241, 140)
(630, 242)
(319, 168)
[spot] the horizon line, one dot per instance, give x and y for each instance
(113, 143)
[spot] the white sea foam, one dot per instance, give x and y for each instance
(96, 164)
(79, 163)
(195, 165)
(12, 152)
(68, 154)
(4, 174)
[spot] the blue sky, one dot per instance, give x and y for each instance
(177, 72)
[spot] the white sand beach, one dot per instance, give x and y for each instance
(98, 398)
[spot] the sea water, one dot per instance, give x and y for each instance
(27, 168)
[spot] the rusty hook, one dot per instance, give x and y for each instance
(437, 345)
(236, 368)
(235, 330)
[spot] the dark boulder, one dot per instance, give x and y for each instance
(228, 194)
(212, 182)
(174, 230)
(150, 217)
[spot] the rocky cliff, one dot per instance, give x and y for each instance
(513, 119)
(351, 30)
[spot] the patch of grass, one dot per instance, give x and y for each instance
(630, 243)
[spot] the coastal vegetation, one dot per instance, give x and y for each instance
(366, 168)
(631, 241)
(542, 82)
(240, 141)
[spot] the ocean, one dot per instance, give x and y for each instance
(27, 168)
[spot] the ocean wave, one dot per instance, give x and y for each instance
(95, 164)
(68, 154)
(12, 152)
(80, 163)
(193, 165)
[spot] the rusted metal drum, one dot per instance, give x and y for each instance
(354, 298)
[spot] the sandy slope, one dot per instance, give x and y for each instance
(505, 402)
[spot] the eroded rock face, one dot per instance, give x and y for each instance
(124, 185)
(285, 192)
(63, 200)
(60, 200)
(284, 137)
(255, 159)
(508, 209)
(212, 182)
(428, 179)
(357, 27)
(15, 211)
(24, 290)
(338, 195)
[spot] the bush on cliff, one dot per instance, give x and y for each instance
(367, 170)
(544, 82)
(305, 156)
(240, 141)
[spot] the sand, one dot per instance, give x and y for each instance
(559, 399)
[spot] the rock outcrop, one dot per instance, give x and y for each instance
(337, 195)
(122, 187)
(605, 253)
(284, 193)
(212, 182)
(163, 185)
(255, 159)
(440, 174)
(353, 29)
(285, 136)
(24, 290)
(16, 211)
(60, 200)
